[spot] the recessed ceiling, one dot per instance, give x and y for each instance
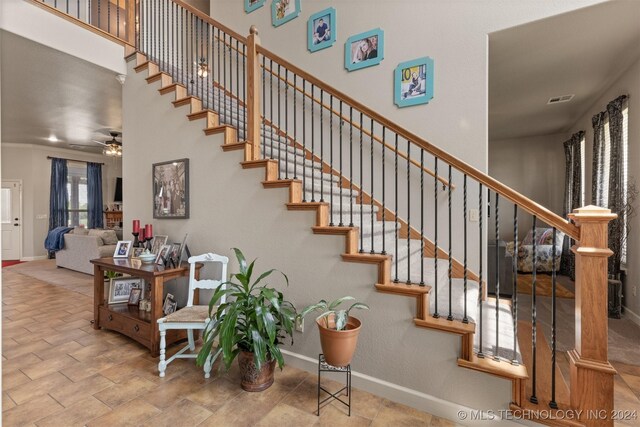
(581, 52)
(47, 93)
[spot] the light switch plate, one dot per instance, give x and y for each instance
(474, 215)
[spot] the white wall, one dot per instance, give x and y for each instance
(533, 166)
(30, 164)
(454, 34)
(230, 208)
(34, 23)
(628, 83)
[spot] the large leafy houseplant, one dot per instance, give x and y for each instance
(252, 318)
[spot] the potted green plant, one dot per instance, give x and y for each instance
(250, 324)
(338, 330)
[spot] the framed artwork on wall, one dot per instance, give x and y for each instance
(321, 30)
(171, 189)
(251, 5)
(413, 82)
(364, 50)
(283, 11)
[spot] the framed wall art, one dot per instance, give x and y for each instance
(171, 189)
(251, 5)
(321, 30)
(413, 82)
(283, 11)
(364, 50)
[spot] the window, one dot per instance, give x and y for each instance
(77, 195)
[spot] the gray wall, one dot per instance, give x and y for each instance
(628, 83)
(30, 164)
(533, 166)
(230, 208)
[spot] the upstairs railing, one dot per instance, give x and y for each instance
(115, 19)
(407, 198)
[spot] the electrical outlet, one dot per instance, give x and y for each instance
(474, 215)
(300, 325)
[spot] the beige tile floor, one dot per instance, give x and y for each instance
(58, 371)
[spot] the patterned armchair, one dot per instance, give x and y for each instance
(544, 251)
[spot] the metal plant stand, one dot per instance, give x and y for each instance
(325, 367)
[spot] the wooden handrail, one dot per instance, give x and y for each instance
(522, 201)
(210, 20)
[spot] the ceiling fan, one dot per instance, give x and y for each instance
(113, 147)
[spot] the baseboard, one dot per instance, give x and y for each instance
(415, 399)
(33, 258)
(631, 316)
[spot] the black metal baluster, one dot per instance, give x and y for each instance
(331, 158)
(436, 314)
(465, 319)
(350, 166)
(279, 127)
(286, 122)
(295, 130)
(372, 191)
(450, 316)
(553, 404)
(395, 255)
(230, 87)
(221, 94)
(480, 250)
(108, 15)
(421, 217)
(264, 109)
(117, 17)
(534, 398)
(224, 87)
(384, 131)
(304, 139)
(313, 139)
(514, 297)
(340, 223)
(408, 212)
(244, 89)
(361, 192)
(98, 12)
(205, 72)
(273, 131)
(322, 148)
(497, 236)
(238, 90)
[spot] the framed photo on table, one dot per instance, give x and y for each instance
(163, 254)
(171, 189)
(413, 82)
(120, 288)
(158, 242)
(122, 249)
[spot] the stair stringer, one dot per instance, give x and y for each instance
(320, 209)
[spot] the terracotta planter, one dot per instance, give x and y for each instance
(253, 379)
(338, 346)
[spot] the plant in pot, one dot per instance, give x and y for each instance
(338, 330)
(249, 323)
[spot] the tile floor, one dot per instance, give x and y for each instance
(58, 371)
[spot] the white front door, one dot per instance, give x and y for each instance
(10, 200)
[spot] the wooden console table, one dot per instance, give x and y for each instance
(142, 326)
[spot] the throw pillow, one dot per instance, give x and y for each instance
(109, 237)
(80, 231)
(98, 234)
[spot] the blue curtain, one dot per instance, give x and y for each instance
(58, 213)
(94, 194)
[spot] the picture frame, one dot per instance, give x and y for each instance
(321, 30)
(283, 11)
(169, 305)
(134, 296)
(163, 254)
(364, 49)
(123, 248)
(183, 246)
(158, 242)
(413, 82)
(170, 181)
(251, 5)
(120, 288)
(136, 252)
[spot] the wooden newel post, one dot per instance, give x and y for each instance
(253, 95)
(591, 372)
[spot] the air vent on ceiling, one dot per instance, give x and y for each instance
(559, 99)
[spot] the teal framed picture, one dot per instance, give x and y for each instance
(364, 50)
(321, 32)
(283, 11)
(251, 5)
(413, 82)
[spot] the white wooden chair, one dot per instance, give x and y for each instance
(191, 316)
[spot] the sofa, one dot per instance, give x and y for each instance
(545, 251)
(82, 245)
